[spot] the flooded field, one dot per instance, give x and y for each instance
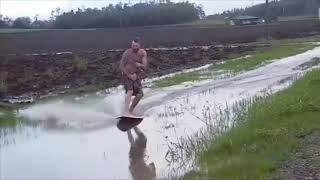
(77, 137)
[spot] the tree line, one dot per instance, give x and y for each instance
(119, 15)
(278, 8)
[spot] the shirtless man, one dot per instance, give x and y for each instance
(133, 64)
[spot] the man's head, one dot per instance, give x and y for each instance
(135, 45)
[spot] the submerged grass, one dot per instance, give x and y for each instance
(262, 56)
(272, 129)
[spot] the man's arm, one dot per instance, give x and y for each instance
(123, 62)
(144, 63)
(144, 60)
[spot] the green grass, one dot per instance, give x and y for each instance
(178, 79)
(80, 63)
(263, 56)
(7, 116)
(297, 18)
(20, 30)
(304, 40)
(272, 130)
(207, 23)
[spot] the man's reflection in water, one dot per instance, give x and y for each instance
(138, 167)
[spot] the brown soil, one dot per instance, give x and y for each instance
(153, 36)
(48, 73)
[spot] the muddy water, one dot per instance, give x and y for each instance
(78, 138)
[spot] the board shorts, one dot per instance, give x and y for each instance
(130, 85)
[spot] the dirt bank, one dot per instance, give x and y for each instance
(153, 36)
(41, 74)
(306, 163)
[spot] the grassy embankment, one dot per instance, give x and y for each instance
(273, 129)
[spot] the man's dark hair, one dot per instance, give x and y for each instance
(137, 40)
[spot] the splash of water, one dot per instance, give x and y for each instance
(78, 114)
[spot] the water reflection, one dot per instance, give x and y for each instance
(138, 167)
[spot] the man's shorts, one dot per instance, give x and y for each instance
(135, 86)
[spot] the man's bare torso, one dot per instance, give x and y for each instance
(130, 58)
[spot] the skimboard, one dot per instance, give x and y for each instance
(126, 123)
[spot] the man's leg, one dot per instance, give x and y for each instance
(127, 102)
(138, 93)
(135, 102)
(128, 86)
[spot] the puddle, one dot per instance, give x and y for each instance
(78, 138)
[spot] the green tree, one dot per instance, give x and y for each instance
(124, 15)
(279, 8)
(5, 22)
(22, 22)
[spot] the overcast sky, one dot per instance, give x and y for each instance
(17, 8)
